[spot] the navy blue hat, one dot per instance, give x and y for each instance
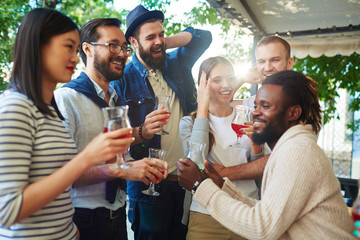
(138, 16)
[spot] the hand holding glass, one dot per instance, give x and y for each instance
(116, 118)
(196, 152)
(242, 115)
(163, 101)
(160, 154)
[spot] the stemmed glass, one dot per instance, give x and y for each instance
(162, 101)
(116, 118)
(242, 115)
(196, 152)
(160, 154)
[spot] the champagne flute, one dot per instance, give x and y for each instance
(163, 101)
(242, 115)
(160, 154)
(116, 118)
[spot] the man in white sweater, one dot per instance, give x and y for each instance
(301, 196)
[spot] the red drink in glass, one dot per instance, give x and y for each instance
(126, 136)
(162, 171)
(165, 119)
(237, 129)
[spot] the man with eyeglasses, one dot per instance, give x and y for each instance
(99, 195)
(154, 72)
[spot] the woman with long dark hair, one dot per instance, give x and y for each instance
(38, 161)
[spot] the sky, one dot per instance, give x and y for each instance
(178, 8)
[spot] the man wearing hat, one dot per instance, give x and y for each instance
(154, 72)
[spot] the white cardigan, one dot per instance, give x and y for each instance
(301, 196)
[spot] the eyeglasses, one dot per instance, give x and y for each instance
(115, 48)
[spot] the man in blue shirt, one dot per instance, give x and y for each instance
(154, 72)
(99, 194)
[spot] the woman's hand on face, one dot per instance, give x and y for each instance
(203, 96)
(105, 146)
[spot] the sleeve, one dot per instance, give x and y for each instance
(64, 101)
(200, 41)
(197, 131)
(279, 207)
(17, 132)
(256, 156)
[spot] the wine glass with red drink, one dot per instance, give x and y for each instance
(160, 154)
(242, 115)
(162, 101)
(116, 118)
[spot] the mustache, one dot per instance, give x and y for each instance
(157, 47)
(118, 59)
(258, 118)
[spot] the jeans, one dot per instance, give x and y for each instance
(93, 226)
(159, 219)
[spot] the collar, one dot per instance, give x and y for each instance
(139, 67)
(99, 91)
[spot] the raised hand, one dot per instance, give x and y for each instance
(105, 146)
(203, 96)
(249, 131)
(145, 170)
(152, 124)
(252, 76)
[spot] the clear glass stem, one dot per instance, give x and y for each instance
(152, 187)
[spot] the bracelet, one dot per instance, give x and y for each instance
(196, 185)
(140, 133)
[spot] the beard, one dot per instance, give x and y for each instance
(103, 66)
(273, 130)
(154, 63)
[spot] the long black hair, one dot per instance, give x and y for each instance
(36, 29)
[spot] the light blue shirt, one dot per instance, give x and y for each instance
(84, 121)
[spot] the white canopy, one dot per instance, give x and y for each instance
(312, 27)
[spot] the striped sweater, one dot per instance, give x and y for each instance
(32, 146)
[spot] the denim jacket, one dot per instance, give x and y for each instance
(136, 90)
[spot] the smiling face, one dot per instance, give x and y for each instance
(269, 117)
(110, 65)
(272, 58)
(59, 58)
(222, 84)
(149, 43)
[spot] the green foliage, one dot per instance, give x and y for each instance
(332, 74)
(11, 13)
